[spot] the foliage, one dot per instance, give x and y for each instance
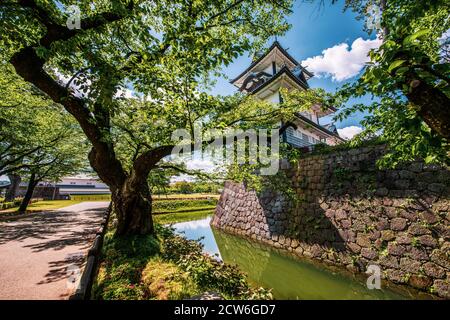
(409, 78)
(37, 136)
(279, 182)
(208, 272)
(165, 267)
(165, 51)
(123, 260)
(166, 281)
(31, 126)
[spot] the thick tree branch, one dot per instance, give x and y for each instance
(56, 32)
(30, 67)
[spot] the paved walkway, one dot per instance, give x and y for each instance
(36, 252)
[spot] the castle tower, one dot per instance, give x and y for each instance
(276, 69)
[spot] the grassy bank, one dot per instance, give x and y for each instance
(185, 208)
(170, 206)
(173, 211)
(168, 218)
(165, 266)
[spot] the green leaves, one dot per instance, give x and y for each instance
(419, 34)
(36, 135)
(412, 52)
(394, 65)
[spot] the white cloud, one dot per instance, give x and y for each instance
(192, 225)
(204, 165)
(349, 132)
(200, 164)
(341, 62)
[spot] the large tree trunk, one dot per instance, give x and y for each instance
(133, 207)
(29, 194)
(11, 193)
(432, 106)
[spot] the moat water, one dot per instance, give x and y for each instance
(289, 278)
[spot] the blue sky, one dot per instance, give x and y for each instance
(313, 31)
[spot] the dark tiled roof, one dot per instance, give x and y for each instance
(275, 44)
(317, 126)
(282, 71)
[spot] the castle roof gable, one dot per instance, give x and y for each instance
(276, 53)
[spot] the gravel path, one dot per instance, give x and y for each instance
(38, 253)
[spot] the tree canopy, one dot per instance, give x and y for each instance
(408, 78)
(163, 51)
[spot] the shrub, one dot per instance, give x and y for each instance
(89, 197)
(207, 272)
(166, 267)
(166, 281)
(174, 205)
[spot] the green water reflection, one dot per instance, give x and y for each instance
(291, 278)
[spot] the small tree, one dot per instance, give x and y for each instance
(29, 122)
(67, 157)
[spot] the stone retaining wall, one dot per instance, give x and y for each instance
(350, 214)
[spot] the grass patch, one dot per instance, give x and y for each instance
(44, 206)
(168, 218)
(165, 266)
(166, 281)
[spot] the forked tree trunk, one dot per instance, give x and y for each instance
(29, 194)
(133, 207)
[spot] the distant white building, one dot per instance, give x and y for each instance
(82, 184)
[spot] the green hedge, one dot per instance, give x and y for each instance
(90, 197)
(177, 205)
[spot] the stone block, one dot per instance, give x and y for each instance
(389, 261)
(428, 241)
(398, 224)
(442, 288)
(363, 240)
(369, 253)
(433, 270)
(395, 249)
(387, 235)
(409, 265)
(419, 281)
